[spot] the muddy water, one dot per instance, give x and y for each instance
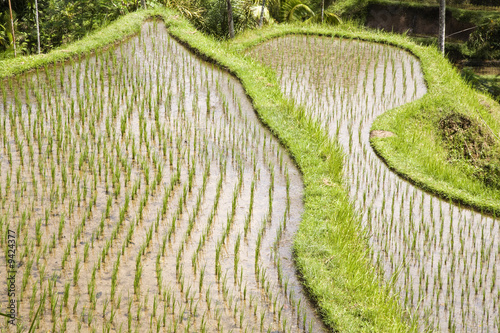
(444, 260)
(145, 196)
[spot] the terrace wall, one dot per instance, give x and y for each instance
(414, 20)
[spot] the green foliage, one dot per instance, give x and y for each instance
(484, 42)
(5, 35)
(6, 38)
(255, 12)
(63, 21)
(191, 9)
(297, 10)
(349, 8)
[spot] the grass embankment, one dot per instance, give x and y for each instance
(330, 248)
(448, 141)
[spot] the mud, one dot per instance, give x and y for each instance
(381, 134)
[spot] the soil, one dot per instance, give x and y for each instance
(380, 134)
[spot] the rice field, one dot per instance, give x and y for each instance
(442, 260)
(140, 193)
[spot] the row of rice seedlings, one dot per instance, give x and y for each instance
(130, 163)
(442, 259)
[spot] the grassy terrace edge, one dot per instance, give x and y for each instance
(331, 251)
(416, 152)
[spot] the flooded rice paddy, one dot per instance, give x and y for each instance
(443, 261)
(140, 193)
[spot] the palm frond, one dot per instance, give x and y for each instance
(295, 10)
(329, 18)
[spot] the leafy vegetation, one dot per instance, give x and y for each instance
(484, 42)
(60, 21)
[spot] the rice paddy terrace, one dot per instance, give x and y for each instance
(442, 260)
(140, 193)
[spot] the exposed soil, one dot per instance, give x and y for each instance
(415, 21)
(380, 134)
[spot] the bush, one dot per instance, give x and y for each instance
(484, 42)
(215, 18)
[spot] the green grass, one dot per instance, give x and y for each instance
(489, 84)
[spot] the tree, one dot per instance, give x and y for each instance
(442, 21)
(37, 26)
(143, 2)
(262, 13)
(322, 10)
(12, 25)
(230, 19)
